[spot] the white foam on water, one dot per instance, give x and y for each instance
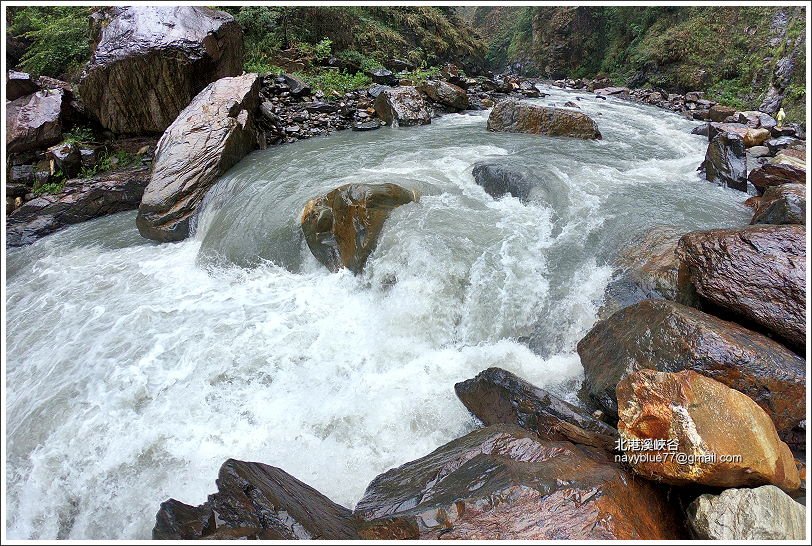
(134, 372)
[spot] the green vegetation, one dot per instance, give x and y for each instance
(58, 38)
(110, 161)
(80, 134)
(51, 187)
(333, 81)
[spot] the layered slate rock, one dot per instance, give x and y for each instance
(212, 134)
(35, 121)
(342, 227)
(503, 482)
(784, 204)
(757, 272)
(779, 170)
(497, 396)
(726, 161)
(669, 337)
(445, 93)
(513, 116)
(722, 438)
(255, 500)
(80, 200)
(402, 107)
(763, 513)
(149, 62)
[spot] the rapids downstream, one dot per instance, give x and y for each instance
(136, 369)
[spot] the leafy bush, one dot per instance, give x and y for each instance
(335, 81)
(79, 135)
(59, 38)
(51, 187)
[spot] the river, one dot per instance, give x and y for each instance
(134, 370)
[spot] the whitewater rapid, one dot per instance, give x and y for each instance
(134, 370)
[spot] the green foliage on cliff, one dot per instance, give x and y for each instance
(58, 38)
(729, 52)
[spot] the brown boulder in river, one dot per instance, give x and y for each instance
(757, 272)
(669, 337)
(512, 116)
(784, 204)
(445, 93)
(721, 438)
(497, 396)
(150, 61)
(211, 134)
(503, 482)
(342, 227)
(255, 500)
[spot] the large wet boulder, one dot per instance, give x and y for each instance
(19, 84)
(726, 161)
(149, 62)
(497, 396)
(756, 272)
(669, 337)
(719, 112)
(617, 92)
(779, 170)
(342, 227)
(513, 116)
(499, 180)
(80, 200)
(212, 134)
(445, 93)
(255, 500)
(402, 107)
(763, 513)
(717, 436)
(36, 121)
(784, 204)
(503, 482)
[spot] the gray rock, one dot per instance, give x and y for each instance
(758, 151)
(19, 84)
(150, 61)
(36, 121)
(763, 513)
(513, 116)
(211, 135)
(726, 161)
(445, 93)
(402, 106)
(784, 204)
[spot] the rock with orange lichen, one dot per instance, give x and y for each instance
(342, 227)
(707, 422)
(504, 482)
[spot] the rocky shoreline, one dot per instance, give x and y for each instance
(692, 406)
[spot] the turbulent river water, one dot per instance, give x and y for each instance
(135, 369)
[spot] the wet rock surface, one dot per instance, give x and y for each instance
(19, 84)
(497, 396)
(503, 482)
(757, 272)
(211, 135)
(342, 227)
(36, 121)
(445, 93)
(512, 116)
(726, 161)
(499, 180)
(80, 200)
(402, 107)
(763, 513)
(149, 62)
(669, 337)
(706, 421)
(784, 204)
(255, 500)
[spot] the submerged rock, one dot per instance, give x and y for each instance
(722, 438)
(342, 227)
(212, 134)
(35, 121)
(500, 180)
(757, 272)
(445, 93)
(150, 61)
(402, 106)
(763, 513)
(669, 337)
(726, 161)
(784, 204)
(80, 200)
(497, 396)
(255, 500)
(512, 116)
(503, 482)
